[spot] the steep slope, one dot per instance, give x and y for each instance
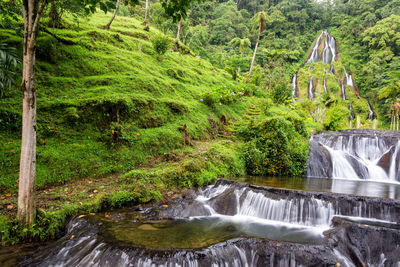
(323, 80)
(108, 102)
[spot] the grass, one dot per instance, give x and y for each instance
(108, 103)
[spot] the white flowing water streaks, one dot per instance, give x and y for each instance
(329, 53)
(314, 57)
(348, 79)
(371, 114)
(361, 157)
(294, 85)
(325, 89)
(310, 89)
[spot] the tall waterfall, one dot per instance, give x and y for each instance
(355, 154)
(329, 52)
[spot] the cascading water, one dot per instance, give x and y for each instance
(254, 215)
(294, 85)
(325, 89)
(343, 89)
(352, 116)
(348, 79)
(329, 52)
(314, 57)
(371, 114)
(355, 154)
(310, 89)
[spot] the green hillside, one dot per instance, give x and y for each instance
(107, 101)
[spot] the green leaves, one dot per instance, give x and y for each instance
(8, 66)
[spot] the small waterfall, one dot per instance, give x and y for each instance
(371, 114)
(310, 89)
(343, 89)
(294, 85)
(352, 115)
(332, 70)
(355, 154)
(348, 79)
(314, 57)
(325, 89)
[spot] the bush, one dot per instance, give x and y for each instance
(227, 94)
(275, 146)
(337, 118)
(160, 44)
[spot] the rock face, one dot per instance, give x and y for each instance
(355, 154)
(358, 231)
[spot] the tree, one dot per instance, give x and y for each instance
(241, 43)
(32, 13)
(178, 34)
(260, 21)
(146, 12)
(107, 26)
(392, 91)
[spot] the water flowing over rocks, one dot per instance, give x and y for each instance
(274, 226)
(355, 154)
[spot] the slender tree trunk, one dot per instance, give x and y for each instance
(107, 26)
(32, 11)
(178, 35)
(147, 10)
(254, 55)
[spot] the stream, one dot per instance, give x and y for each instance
(326, 219)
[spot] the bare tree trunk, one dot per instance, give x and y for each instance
(107, 26)
(32, 11)
(147, 10)
(179, 30)
(254, 55)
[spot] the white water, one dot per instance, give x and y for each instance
(325, 89)
(371, 114)
(294, 84)
(310, 89)
(329, 53)
(314, 54)
(356, 157)
(348, 79)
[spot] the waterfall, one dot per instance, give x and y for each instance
(325, 89)
(294, 85)
(314, 57)
(352, 115)
(343, 89)
(329, 53)
(355, 154)
(310, 89)
(332, 69)
(371, 114)
(348, 79)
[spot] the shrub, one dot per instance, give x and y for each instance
(160, 44)
(275, 146)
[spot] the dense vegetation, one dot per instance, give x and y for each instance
(136, 105)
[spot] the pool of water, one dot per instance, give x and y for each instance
(202, 231)
(339, 186)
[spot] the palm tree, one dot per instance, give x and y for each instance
(8, 66)
(392, 91)
(260, 21)
(241, 43)
(178, 35)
